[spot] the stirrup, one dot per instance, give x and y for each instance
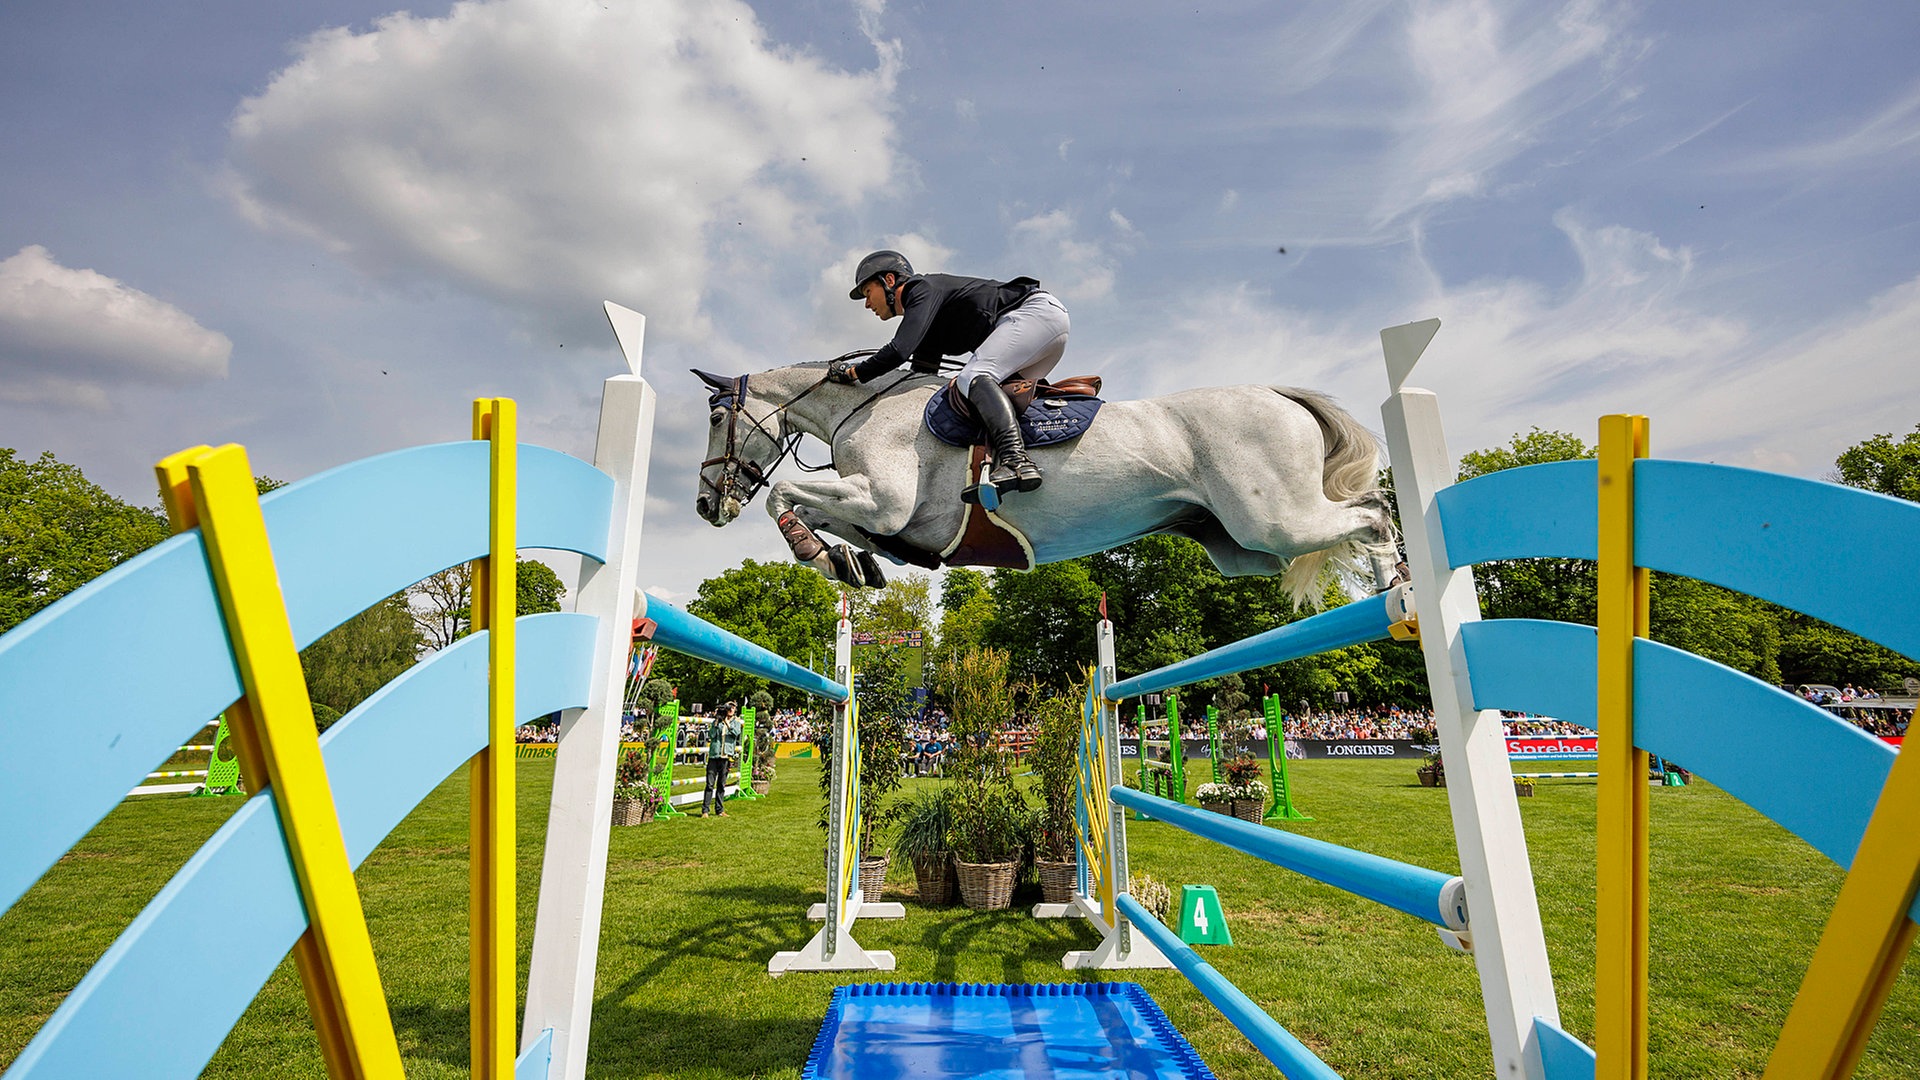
(984, 495)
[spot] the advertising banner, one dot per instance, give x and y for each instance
(1554, 748)
(1355, 749)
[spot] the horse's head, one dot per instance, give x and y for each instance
(745, 439)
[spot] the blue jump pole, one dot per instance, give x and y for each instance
(1350, 624)
(689, 634)
(1287, 1053)
(1422, 893)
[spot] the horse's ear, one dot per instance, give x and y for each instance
(714, 382)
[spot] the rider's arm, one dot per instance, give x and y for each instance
(918, 306)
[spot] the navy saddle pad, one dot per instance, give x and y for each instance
(1046, 422)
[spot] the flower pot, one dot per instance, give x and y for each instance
(1057, 879)
(873, 876)
(631, 812)
(1246, 809)
(986, 886)
(1217, 807)
(934, 875)
(1522, 790)
(1430, 777)
(760, 786)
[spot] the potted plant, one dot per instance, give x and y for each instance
(1432, 771)
(1246, 795)
(1055, 761)
(761, 767)
(989, 832)
(634, 800)
(921, 839)
(1523, 787)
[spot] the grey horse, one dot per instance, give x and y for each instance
(1269, 479)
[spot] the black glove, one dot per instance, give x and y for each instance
(842, 371)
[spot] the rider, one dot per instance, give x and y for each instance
(1010, 328)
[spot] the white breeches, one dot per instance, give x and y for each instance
(1027, 342)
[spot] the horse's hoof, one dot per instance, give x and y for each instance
(870, 570)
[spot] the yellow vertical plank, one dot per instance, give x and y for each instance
(1866, 940)
(1620, 952)
(176, 495)
(492, 826)
(338, 970)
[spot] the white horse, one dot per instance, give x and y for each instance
(1269, 479)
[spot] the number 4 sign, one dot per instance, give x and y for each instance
(1201, 920)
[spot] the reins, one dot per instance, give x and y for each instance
(756, 476)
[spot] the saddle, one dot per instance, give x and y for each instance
(1050, 413)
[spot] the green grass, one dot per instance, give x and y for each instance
(694, 908)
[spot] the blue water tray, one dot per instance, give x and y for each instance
(1062, 1031)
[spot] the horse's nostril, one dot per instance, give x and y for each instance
(704, 504)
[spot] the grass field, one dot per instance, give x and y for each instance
(695, 907)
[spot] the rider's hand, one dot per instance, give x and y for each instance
(842, 371)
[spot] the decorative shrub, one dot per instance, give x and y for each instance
(1220, 793)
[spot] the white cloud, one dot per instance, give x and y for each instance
(1079, 270)
(1490, 78)
(68, 336)
(1888, 137)
(548, 155)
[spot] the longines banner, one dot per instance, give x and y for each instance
(1355, 750)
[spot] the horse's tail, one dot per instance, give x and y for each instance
(1350, 469)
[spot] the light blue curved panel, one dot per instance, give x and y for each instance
(123, 669)
(1532, 665)
(130, 665)
(1532, 512)
(135, 1014)
(1822, 549)
(1813, 773)
(344, 538)
(1562, 1057)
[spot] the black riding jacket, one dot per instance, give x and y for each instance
(944, 315)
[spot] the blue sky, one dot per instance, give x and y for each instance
(319, 230)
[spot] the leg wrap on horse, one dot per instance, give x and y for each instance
(855, 567)
(1013, 470)
(806, 546)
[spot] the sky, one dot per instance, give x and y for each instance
(321, 229)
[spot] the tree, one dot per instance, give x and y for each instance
(1565, 590)
(58, 531)
(1881, 464)
(966, 611)
(784, 607)
(442, 603)
(347, 664)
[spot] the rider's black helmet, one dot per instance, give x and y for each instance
(880, 262)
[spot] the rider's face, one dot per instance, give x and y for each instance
(876, 296)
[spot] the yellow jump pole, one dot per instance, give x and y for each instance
(491, 825)
(279, 747)
(1867, 937)
(1620, 947)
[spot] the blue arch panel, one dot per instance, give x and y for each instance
(1822, 549)
(134, 1014)
(130, 665)
(1532, 512)
(1758, 743)
(1533, 665)
(1730, 728)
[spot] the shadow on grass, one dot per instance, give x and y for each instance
(755, 921)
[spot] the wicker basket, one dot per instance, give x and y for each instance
(873, 877)
(1057, 879)
(935, 878)
(986, 886)
(761, 787)
(631, 812)
(1217, 807)
(1247, 809)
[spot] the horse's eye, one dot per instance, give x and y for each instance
(714, 420)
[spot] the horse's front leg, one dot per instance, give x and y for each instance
(851, 501)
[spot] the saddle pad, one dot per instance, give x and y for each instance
(1057, 1031)
(1046, 422)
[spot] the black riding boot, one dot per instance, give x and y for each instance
(1013, 470)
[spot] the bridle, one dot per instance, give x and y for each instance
(742, 478)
